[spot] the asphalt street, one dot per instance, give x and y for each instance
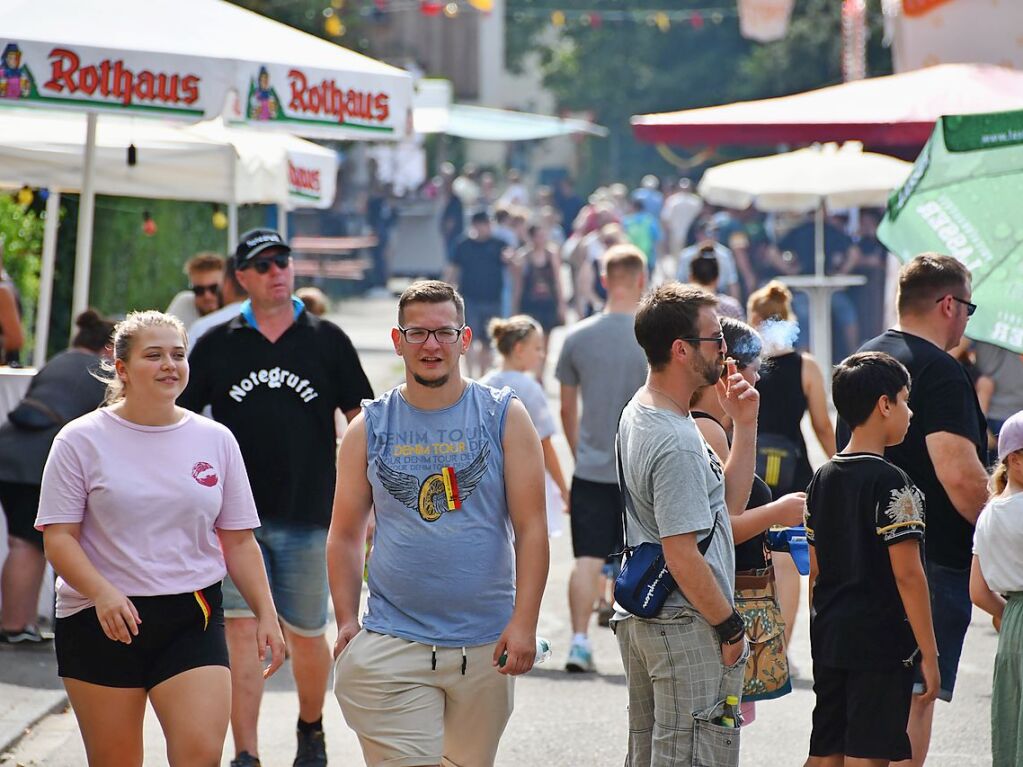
(560, 720)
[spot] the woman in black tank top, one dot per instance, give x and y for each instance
(537, 289)
(750, 523)
(791, 385)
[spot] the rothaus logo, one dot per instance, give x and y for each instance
(275, 378)
(653, 586)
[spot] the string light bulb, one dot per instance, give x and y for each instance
(451, 10)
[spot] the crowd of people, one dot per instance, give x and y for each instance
(186, 545)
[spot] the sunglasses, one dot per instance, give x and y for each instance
(262, 265)
(970, 308)
(200, 290)
(719, 340)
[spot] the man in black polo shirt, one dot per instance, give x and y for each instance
(275, 375)
(942, 453)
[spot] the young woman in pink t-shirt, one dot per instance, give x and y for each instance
(144, 508)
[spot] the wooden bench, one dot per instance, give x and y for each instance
(332, 257)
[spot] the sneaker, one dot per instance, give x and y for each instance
(245, 759)
(27, 635)
(312, 750)
(580, 659)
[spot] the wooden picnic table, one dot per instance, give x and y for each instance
(332, 257)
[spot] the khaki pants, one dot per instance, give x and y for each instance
(408, 713)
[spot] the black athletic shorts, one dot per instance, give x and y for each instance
(595, 510)
(178, 632)
(861, 714)
(21, 504)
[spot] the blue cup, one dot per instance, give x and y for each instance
(792, 540)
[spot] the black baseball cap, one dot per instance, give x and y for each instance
(257, 241)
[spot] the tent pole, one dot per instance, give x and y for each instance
(232, 227)
(44, 309)
(818, 240)
(282, 221)
(86, 209)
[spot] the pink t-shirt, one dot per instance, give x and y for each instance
(149, 500)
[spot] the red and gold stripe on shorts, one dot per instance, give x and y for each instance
(204, 606)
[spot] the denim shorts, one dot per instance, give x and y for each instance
(295, 556)
(951, 610)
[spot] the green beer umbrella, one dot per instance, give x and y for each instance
(963, 198)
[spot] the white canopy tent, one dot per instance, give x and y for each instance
(189, 59)
(809, 180)
(435, 112)
(207, 161)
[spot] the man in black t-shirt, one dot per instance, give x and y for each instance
(274, 375)
(870, 611)
(942, 452)
(477, 270)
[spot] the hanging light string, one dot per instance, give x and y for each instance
(662, 18)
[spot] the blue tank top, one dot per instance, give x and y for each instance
(442, 570)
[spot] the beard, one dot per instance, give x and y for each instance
(431, 383)
(711, 371)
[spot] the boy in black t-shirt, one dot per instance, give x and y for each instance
(870, 613)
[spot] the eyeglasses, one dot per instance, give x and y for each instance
(203, 289)
(262, 265)
(970, 308)
(420, 335)
(718, 339)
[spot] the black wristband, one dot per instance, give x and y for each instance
(731, 629)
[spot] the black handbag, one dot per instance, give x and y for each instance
(777, 459)
(34, 415)
(645, 582)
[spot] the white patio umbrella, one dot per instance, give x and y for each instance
(809, 180)
(188, 59)
(207, 161)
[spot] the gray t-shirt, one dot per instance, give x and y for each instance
(677, 487)
(1005, 368)
(603, 358)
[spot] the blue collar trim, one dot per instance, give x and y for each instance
(250, 317)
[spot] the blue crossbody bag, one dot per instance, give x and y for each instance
(645, 581)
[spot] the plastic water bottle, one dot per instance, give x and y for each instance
(731, 714)
(543, 652)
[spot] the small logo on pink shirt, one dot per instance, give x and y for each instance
(204, 474)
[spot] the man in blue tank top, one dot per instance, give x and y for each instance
(454, 472)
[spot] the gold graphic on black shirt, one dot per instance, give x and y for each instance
(433, 497)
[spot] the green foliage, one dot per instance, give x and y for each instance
(308, 16)
(21, 233)
(624, 68)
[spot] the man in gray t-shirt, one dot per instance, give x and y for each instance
(1004, 395)
(602, 364)
(682, 665)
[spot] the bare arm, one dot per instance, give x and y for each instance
(911, 581)
(982, 595)
(245, 566)
(736, 491)
(741, 402)
(524, 489)
(985, 388)
(817, 405)
(10, 323)
(559, 292)
(570, 415)
(552, 463)
(959, 471)
(116, 613)
(346, 539)
(787, 511)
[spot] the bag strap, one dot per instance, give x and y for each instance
(627, 505)
(42, 407)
